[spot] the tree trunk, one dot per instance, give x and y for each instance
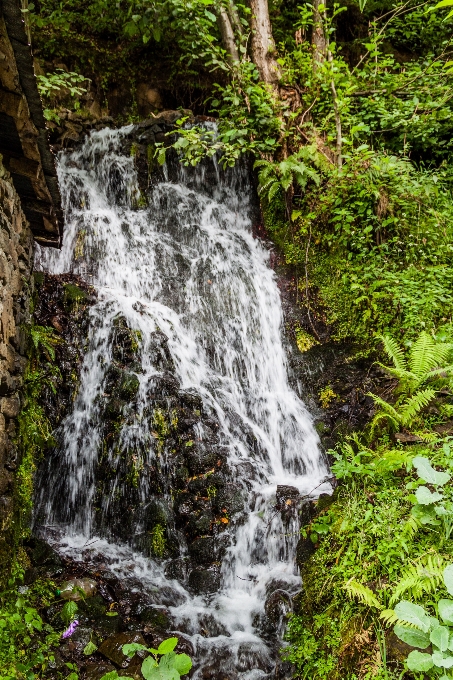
(234, 19)
(263, 46)
(318, 39)
(336, 110)
(227, 33)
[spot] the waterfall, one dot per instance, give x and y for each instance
(183, 267)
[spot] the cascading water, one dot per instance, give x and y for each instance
(185, 268)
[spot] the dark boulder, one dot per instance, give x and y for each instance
(112, 647)
(204, 581)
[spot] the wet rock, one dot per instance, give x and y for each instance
(324, 501)
(128, 386)
(215, 672)
(205, 550)
(284, 670)
(93, 612)
(305, 549)
(42, 555)
(307, 512)
(229, 498)
(200, 522)
(191, 400)
(95, 671)
(298, 602)
(201, 459)
(165, 385)
(83, 635)
(396, 649)
(160, 355)
(204, 580)
(178, 569)
(285, 494)
(276, 607)
(112, 647)
(156, 619)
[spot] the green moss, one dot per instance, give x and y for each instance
(158, 541)
(73, 296)
(304, 340)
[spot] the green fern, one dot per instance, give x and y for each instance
(425, 577)
(426, 354)
(46, 338)
(275, 177)
(390, 618)
(412, 406)
(363, 594)
(426, 363)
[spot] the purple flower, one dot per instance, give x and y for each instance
(69, 631)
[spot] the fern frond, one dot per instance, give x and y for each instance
(394, 352)
(413, 405)
(411, 526)
(261, 163)
(402, 374)
(272, 191)
(437, 372)
(389, 616)
(423, 577)
(394, 422)
(264, 186)
(286, 181)
(426, 354)
(363, 594)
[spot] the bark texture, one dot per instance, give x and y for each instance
(227, 33)
(318, 39)
(263, 46)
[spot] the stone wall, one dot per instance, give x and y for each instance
(16, 261)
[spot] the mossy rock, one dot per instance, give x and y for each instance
(128, 386)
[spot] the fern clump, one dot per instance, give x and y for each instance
(425, 370)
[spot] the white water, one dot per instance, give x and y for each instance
(188, 265)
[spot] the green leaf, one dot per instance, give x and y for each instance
(448, 578)
(69, 612)
(445, 608)
(90, 648)
(130, 649)
(424, 514)
(444, 3)
(425, 497)
(210, 15)
(150, 669)
(182, 663)
(428, 473)
(413, 613)
(440, 637)
(419, 662)
(442, 660)
(167, 646)
(412, 636)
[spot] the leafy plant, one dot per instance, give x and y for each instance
(416, 627)
(276, 176)
(426, 363)
(161, 664)
(432, 507)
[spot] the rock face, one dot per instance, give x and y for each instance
(16, 255)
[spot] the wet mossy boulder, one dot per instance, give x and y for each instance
(157, 619)
(204, 581)
(125, 341)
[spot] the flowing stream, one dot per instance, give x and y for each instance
(185, 265)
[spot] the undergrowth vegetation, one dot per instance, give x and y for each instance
(377, 591)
